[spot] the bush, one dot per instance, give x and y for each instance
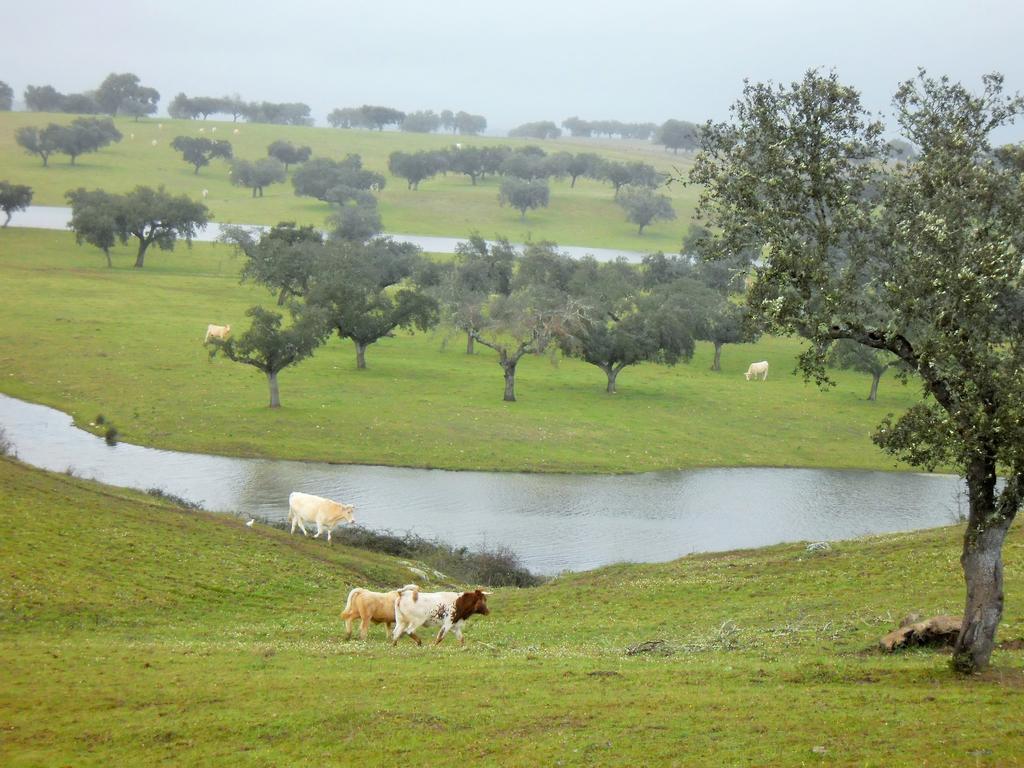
(160, 493)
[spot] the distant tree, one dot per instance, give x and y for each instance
(447, 120)
(582, 164)
(617, 174)
(901, 150)
(726, 322)
(14, 197)
(155, 217)
(421, 122)
(366, 291)
(470, 125)
(853, 356)
(287, 113)
(355, 220)
(415, 167)
(288, 153)
(466, 160)
(38, 142)
(257, 175)
(543, 129)
(678, 134)
(84, 135)
(378, 117)
(80, 104)
(182, 108)
(120, 90)
(6, 97)
(43, 98)
(491, 158)
(270, 348)
(526, 164)
(233, 105)
(643, 206)
(524, 195)
(577, 127)
(283, 259)
(336, 181)
(94, 219)
(345, 117)
(198, 152)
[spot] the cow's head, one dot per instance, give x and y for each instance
(345, 512)
(469, 603)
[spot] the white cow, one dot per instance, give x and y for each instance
(450, 610)
(307, 508)
(757, 371)
(217, 332)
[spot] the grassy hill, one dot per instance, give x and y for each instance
(446, 205)
(136, 633)
(127, 344)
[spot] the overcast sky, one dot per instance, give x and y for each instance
(512, 62)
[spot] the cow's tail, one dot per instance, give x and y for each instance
(347, 613)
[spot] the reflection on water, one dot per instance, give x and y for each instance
(554, 522)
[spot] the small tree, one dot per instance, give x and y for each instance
(356, 220)
(335, 181)
(83, 135)
(678, 134)
(14, 197)
(524, 195)
(643, 206)
(270, 348)
(6, 97)
(853, 356)
(288, 153)
(582, 164)
(38, 142)
(257, 175)
(199, 151)
(416, 166)
(94, 219)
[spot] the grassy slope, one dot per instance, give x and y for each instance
(133, 633)
(133, 341)
(447, 205)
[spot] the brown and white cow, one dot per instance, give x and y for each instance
(450, 610)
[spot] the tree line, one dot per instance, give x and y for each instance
(424, 121)
(118, 94)
(183, 107)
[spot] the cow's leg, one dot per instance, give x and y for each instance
(441, 633)
(390, 625)
(457, 629)
(348, 629)
(301, 527)
(416, 637)
(364, 627)
(399, 628)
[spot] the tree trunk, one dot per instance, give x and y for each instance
(282, 296)
(510, 382)
(275, 395)
(7, 220)
(716, 364)
(360, 356)
(876, 377)
(106, 252)
(141, 257)
(612, 373)
(640, 231)
(469, 343)
(982, 561)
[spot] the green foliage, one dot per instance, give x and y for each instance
(543, 129)
(94, 219)
(14, 197)
(643, 206)
(524, 195)
(288, 153)
(199, 151)
(416, 166)
(84, 134)
(282, 259)
(6, 97)
(678, 134)
(124, 94)
(421, 122)
(257, 174)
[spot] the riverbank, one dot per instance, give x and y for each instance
(127, 344)
(134, 632)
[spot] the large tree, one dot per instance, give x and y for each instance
(678, 134)
(199, 151)
(14, 197)
(270, 348)
(84, 135)
(643, 206)
(415, 167)
(36, 141)
(848, 354)
(921, 259)
(366, 290)
(156, 217)
(336, 181)
(282, 259)
(480, 270)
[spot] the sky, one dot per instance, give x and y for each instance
(512, 61)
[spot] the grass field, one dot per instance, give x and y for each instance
(136, 633)
(127, 344)
(446, 205)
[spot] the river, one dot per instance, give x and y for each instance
(553, 522)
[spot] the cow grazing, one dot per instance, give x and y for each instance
(307, 508)
(217, 332)
(367, 606)
(757, 371)
(450, 610)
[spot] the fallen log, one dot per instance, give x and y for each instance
(938, 630)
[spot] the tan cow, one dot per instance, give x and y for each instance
(367, 606)
(217, 332)
(757, 371)
(307, 508)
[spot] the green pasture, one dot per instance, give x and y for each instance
(136, 633)
(446, 205)
(127, 344)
